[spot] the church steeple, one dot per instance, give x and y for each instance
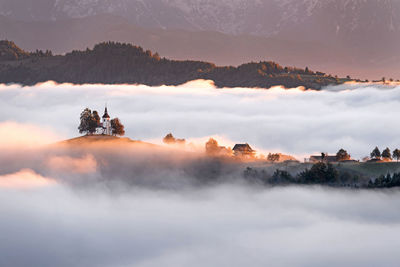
(106, 122)
(106, 116)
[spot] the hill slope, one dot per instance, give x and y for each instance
(220, 48)
(116, 63)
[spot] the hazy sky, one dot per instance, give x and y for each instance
(355, 117)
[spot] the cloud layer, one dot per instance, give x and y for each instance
(355, 117)
(223, 226)
(132, 205)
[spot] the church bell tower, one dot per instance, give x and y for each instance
(106, 123)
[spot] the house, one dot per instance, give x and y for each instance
(243, 151)
(324, 157)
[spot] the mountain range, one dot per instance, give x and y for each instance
(357, 37)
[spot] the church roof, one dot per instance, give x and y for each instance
(106, 116)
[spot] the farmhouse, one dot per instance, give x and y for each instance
(243, 151)
(324, 157)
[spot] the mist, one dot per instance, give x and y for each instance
(139, 204)
(226, 225)
(356, 117)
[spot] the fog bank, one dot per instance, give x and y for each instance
(225, 225)
(136, 204)
(355, 117)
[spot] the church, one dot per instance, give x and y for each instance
(105, 126)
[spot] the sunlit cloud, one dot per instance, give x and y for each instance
(137, 204)
(23, 179)
(86, 164)
(357, 116)
(26, 135)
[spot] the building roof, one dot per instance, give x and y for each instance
(326, 158)
(242, 147)
(106, 116)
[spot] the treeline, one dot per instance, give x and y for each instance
(9, 51)
(319, 174)
(388, 181)
(114, 63)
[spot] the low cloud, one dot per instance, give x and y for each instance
(357, 117)
(24, 178)
(86, 164)
(27, 135)
(226, 225)
(136, 204)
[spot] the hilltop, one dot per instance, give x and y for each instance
(121, 63)
(103, 140)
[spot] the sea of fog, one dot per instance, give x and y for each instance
(227, 225)
(356, 117)
(134, 206)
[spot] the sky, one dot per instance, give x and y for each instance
(356, 117)
(128, 205)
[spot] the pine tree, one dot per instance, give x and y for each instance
(376, 153)
(396, 154)
(386, 154)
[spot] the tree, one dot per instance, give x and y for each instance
(376, 153)
(88, 123)
(212, 147)
(117, 128)
(386, 154)
(170, 139)
(320, 173)
(281, 177)
(342, 155)
(273, 157)
(96, 117)
(396, 154)
(94, 121)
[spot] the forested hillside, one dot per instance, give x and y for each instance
(114, 63)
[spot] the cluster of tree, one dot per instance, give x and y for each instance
(320, 173)
(117, 128)
(9, 51)
(41, 53)
(385, 155)
(170, 140)
(387, 181)
(112, 62)
(90, 123)
(273, 157)
(213, 149)
(342, 155)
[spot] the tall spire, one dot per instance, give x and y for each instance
(106, 116)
